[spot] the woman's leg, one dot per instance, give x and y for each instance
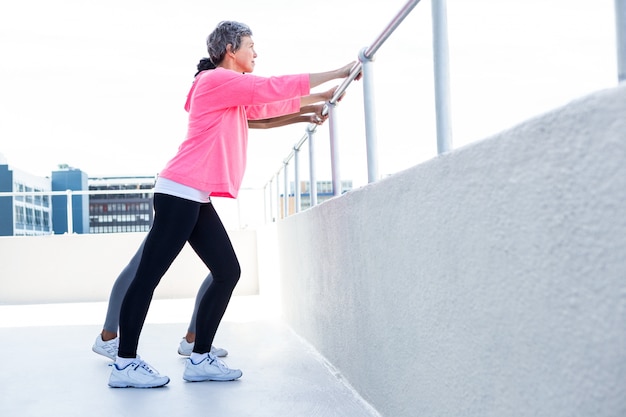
(212, 244)
(174, 220)
(186, 344)
(112, 320)
(194, 317)
(106, 343)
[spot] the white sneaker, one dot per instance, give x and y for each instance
(108, 348)
(137, 374)
(185, 348)
(209, 369)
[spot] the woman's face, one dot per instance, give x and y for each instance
(245, 55)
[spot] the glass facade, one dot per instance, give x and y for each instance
(31, 214)
(121, 212)
(27, 214)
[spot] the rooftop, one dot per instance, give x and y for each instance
(282, 374)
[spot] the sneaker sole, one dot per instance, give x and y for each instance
(181, 353)
(126, 385)
(210, 378)
(101, 352)
(220, 353)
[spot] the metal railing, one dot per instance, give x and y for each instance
(364, 66)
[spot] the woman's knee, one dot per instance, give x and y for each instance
(228, 273)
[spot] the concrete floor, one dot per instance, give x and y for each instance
(49, 369)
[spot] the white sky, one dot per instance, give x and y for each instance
(101, 85)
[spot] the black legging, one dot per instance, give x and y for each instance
(177, 221)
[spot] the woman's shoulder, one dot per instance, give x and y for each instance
(220, 72)
(219, 76)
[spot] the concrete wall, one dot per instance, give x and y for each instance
(490, 281)
(79, 268)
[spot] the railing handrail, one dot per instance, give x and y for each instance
(391, 27)
(74, 192)
(367, 55)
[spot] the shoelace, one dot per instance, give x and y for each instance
(215, 360)
(144, 365)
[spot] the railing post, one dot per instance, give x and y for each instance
(265, 202)
(277, 196)
(620, 19)
(367, 56)
(312, 178)
(371, 137)
(296, 188)
(271, 200)
(286, 190)
(334, 148)
(442, 78)
(70, 220)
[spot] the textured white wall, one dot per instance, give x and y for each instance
(79, 268)
(490, 281)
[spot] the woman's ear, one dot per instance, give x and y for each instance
(229, 50)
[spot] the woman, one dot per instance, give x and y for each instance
(107, 342)
(209, 162)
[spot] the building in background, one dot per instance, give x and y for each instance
(115, 204)
(123, 211)
(97, 205)
(68, 178)
(324, 192)
(24, 215)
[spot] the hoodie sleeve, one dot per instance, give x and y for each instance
(279, 108)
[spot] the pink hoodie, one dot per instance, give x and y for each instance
(213, 156)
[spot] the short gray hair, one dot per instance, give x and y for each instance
(226, 32)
